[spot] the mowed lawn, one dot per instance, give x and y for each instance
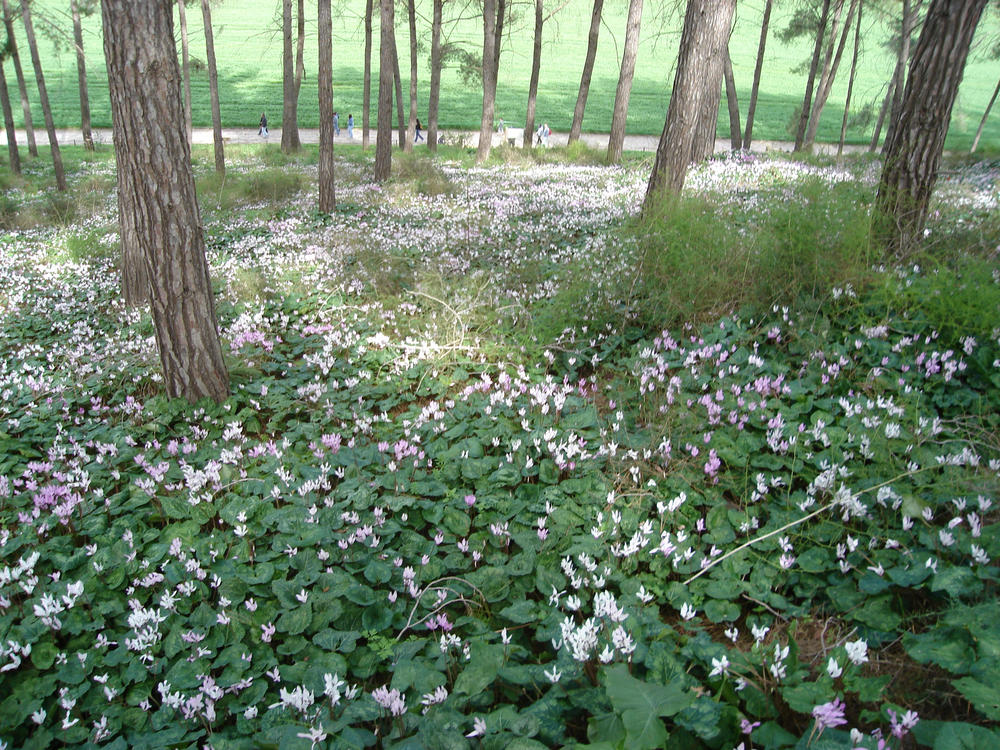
(248, 45)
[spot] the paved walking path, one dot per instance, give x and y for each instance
(467, 138)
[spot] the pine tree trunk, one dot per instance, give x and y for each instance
(850, 80)
(435, 92)
(213, 88)
(146, 111)
(327, 186)
(300, 47)
(81, 75)
(829, 74)
(498, 35)
(752, 106)
(616, 140)
(366, 95)
(704, 39)
(906, 31)
(185, 70)
(735, 136)
(800, 132)
(43, 96)
(916, 139)
(383, 140)
(29, 128)
(536, 66)
(706, 131)
(289, 110)
(397, 82)
(489, 81)
(588, 70)
(8, 122)
(411, 124)
(982, 123)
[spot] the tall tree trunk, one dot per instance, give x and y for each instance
(620, 113)
(185, 69)
(489, 81)
(366, 94)
(982, 123)
(588, 70)
(43, 96)
(327, 186)
(290, 103)
(800, 131)
(146, 112)
(300, 47)
(8, 122)
(829, 74)
(29, 128)
(906, 31)
(383, 140)
(536, 66)
(498, 35)
(435, 92)
(735, 136)
(703, 142)
(411, 125)
(213, 88)
(850, 80)
(752, 106)
(916, 140)
(81, 74)
(882, 114)
(397, 83)
(707, 24)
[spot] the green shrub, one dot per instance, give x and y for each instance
(274, 185)
(423, 172)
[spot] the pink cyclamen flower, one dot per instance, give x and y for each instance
(829, 714)
(470, 500)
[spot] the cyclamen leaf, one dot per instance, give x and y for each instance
(641, 703)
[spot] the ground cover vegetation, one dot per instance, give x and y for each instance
(506, 465)
(248, 44)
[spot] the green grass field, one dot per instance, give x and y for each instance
(248, 45)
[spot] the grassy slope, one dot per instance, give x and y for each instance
(249, 49)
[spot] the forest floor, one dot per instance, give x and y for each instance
(465, 137)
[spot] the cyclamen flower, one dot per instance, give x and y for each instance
(857, 651)
(391, 700)
(829, 714)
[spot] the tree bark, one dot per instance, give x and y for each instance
(289, 111)
(703, 142)
(588, 70)
(536, 66)
(707, 24)
(8, 122)
(383, 140)
(829, 74)
(213, 89)
(498, 35)
(435, 92)
(411, 124)
(81, 75)
(620, 113)
(150, 145)
(916, 139)
(366, 94)
(800, 132)
(489, 81)
(43, 96)
(397, 83)
(29, 128)
(300, 47)
(982, 123)
(732, 100)
(185, 70)
(327, 186)
(752, 106)
(850, 80)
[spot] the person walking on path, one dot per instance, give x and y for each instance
(336, 124)
(350, 126)
(417, 138)
(543, 134)
(263, 125)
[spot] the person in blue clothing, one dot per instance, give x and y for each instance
(336, 124)
(350, 126)
(418, 137)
